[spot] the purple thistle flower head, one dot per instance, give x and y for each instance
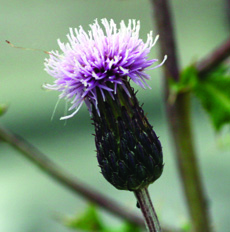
(98, 61)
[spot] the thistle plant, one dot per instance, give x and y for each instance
(97, 68)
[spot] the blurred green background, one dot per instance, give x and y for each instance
(29, 200)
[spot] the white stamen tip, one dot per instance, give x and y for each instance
(156, 38)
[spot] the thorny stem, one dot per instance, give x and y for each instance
(145, 203)
(43, 162)
(178, 115)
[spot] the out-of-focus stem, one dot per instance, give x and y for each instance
(162, 17)
(54, 171)
(43, 162)
(213, 59)
(150, 216)
(178, 115)
(228, 10)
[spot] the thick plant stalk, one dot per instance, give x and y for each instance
(150, 216)
(178, 115)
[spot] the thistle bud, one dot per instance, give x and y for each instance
(130, 154)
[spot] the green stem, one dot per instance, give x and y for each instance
(178, 115)
(145, 203)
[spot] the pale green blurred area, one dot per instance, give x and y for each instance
(29, 200)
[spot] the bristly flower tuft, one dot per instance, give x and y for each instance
(101, 59)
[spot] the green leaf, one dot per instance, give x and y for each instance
(126, 227)
(130, 228)
(3, 109)
(188, 79)
(88, 221)
(186, 227)
(214, 93)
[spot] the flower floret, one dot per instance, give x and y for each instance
(91, 61)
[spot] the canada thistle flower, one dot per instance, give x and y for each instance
(96, 68)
